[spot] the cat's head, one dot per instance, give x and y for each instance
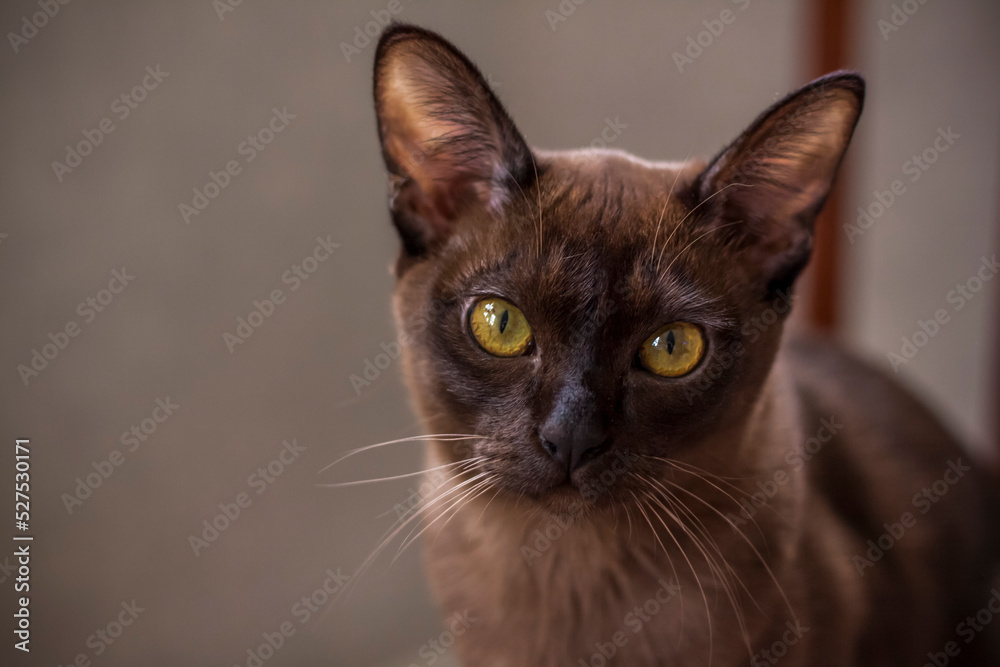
(588, 313)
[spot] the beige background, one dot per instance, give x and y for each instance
(162, 336)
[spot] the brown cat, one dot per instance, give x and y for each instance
(641, 471)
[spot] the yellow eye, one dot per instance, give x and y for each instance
(674, 350)
(499, 327)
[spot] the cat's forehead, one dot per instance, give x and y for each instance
(600, 223)
(602, 211)
(622, 197)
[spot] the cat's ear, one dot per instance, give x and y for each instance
(447, 141)
(772, 181)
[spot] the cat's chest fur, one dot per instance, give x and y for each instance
(545, 595)
(555, 596)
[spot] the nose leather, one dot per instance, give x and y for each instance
(573, 433)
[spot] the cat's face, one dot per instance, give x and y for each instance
(587, 314)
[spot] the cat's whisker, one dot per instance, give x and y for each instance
(428, 506)
(697, 238)
(721, 575)
(628, 515)
(709, 560)
(689, 213)
(714, 475)
(481, 514)
(359, 482)
(677, 504)
(479, 489)
(704, 529)
(460, 467)
(370, 559)
(743, 536)
(484, 488)
(704, 476)
(664, 210)
(677, 512)
(443, 437)
(538, 189)
(456, 504)
(389, 535)
(525, 198)
(725, 577)
(697, 522)
(697, 579)
(656, 534)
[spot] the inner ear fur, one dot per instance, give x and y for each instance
(447, 142)
(771, 182)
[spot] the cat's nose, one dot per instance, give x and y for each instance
(572, 444)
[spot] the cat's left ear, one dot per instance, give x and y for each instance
(447, 142)
(772, 181)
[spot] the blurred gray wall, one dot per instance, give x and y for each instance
(929, 71)
(162, 336)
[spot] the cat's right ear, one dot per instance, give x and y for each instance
(447, 142)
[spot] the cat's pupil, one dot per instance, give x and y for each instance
(670, 342)
(503, 320)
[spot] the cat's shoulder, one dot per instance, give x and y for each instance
(883, 425)
(880, 414)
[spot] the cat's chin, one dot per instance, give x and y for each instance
(566, 500)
